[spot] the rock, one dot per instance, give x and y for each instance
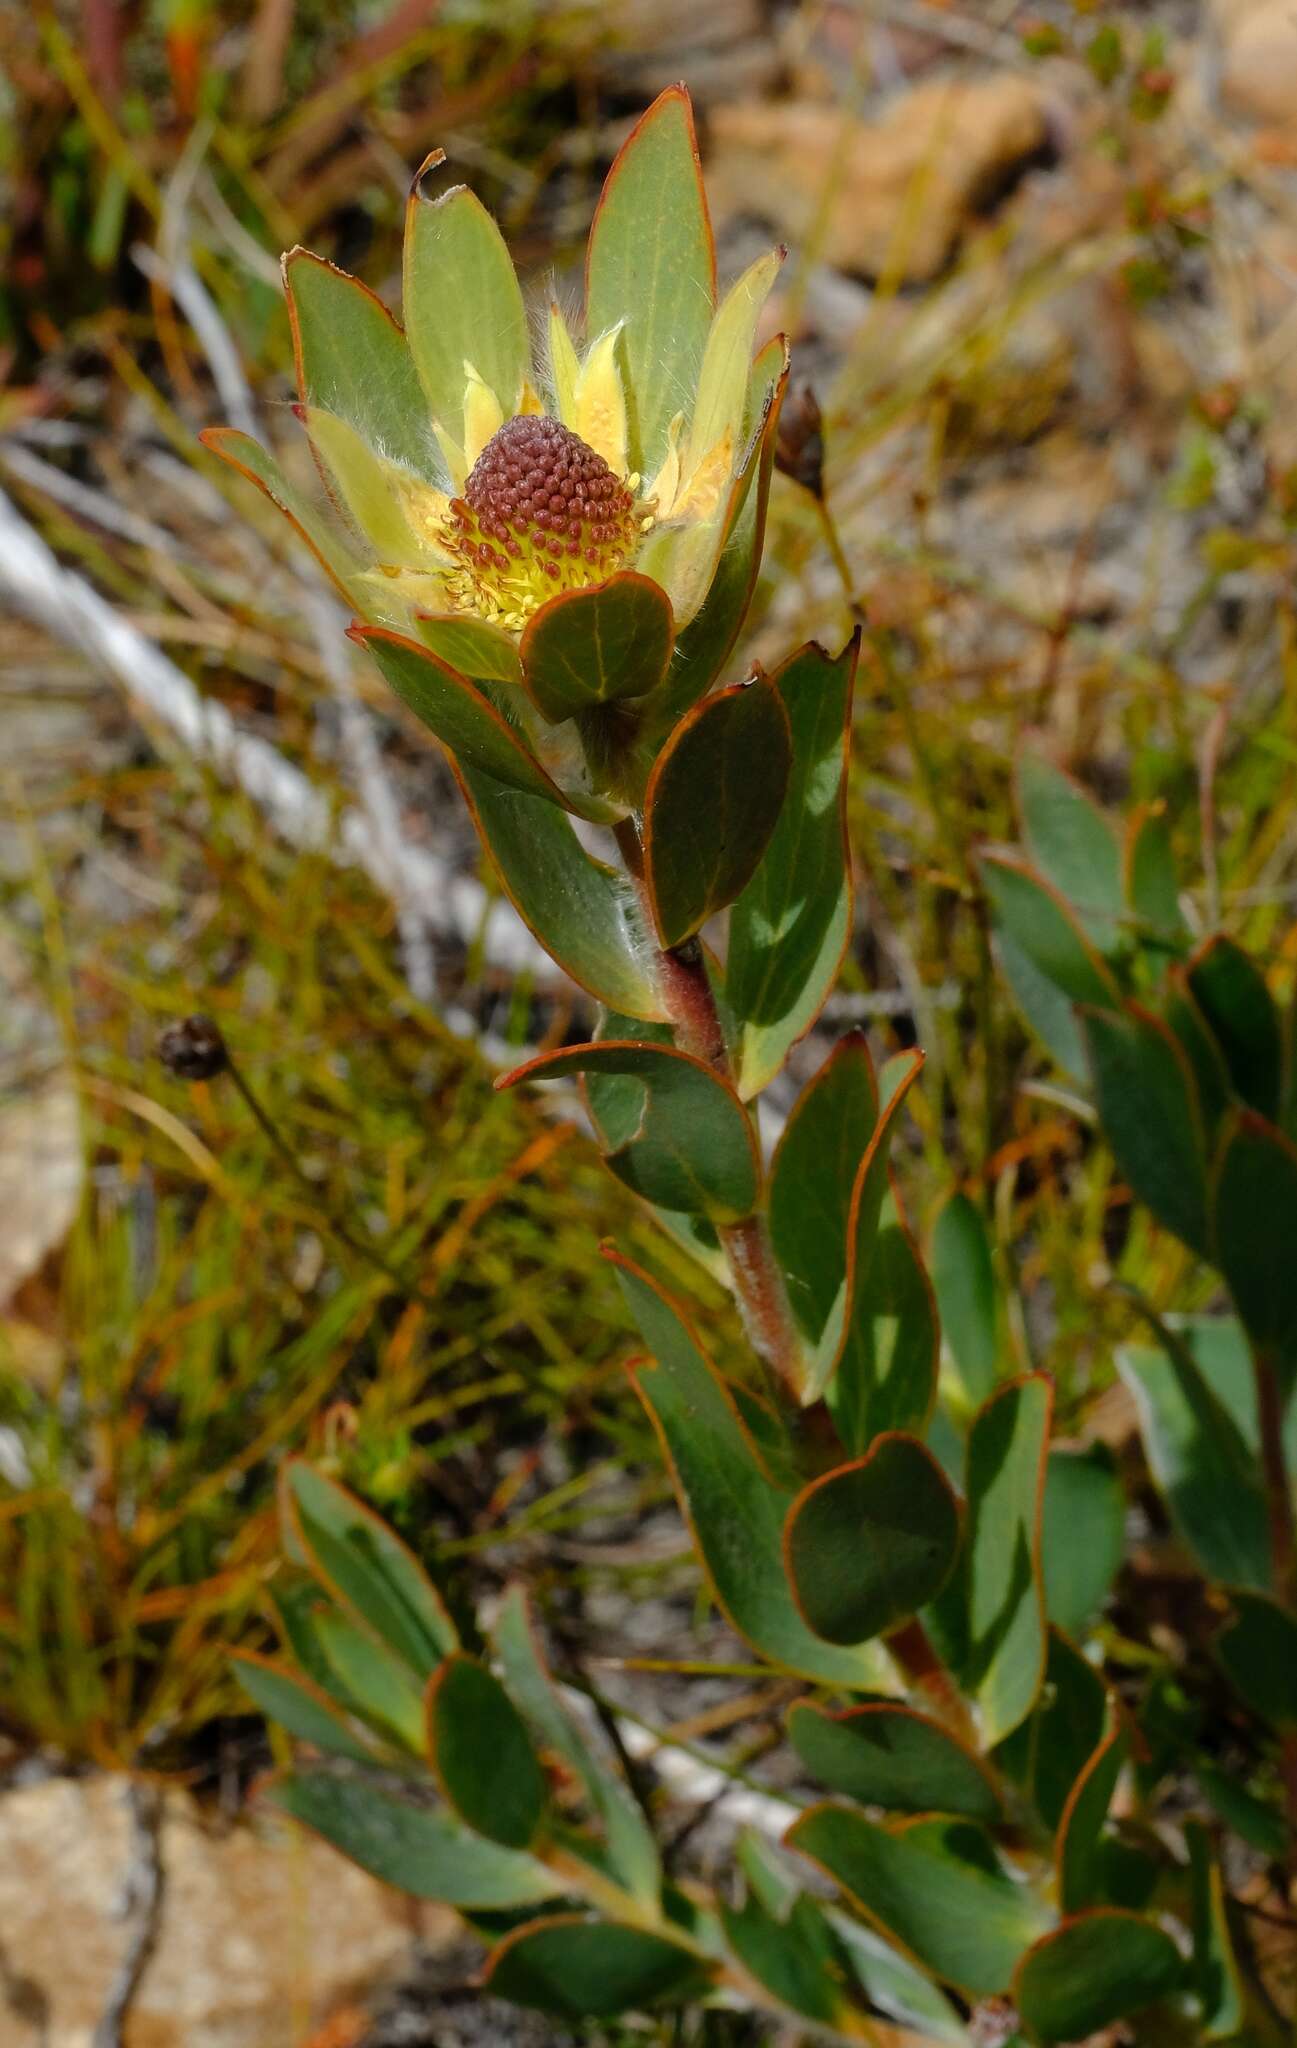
(263, 1935)
(1257, 60)
(903, 188)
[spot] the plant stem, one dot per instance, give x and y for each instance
(755, 1277)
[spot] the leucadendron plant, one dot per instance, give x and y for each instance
(550, 555)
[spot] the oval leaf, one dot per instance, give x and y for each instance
(1257, 1651)
(871, 1543)
(679, 1136)
(1046, 957)
(1073, 846)
(485, 652)
(461, 302)
(461, 717)
(1083, 1534)
(1152, 886)
(367, 1567)
(1080, 1833)
(1148, 1106)
(992, 1615)
(891, 1756)
(651, 264)
(632, 1851)
(597, 646)
(482, 1754)
(963, 1278)
(1230, 991)
(300, 1707)
(712, 802)
(1254, 1230)
(430, 1855)
(812, 1177)
(585, 1969)
(352, 360)
(937, 1887)
(1100, 1967)
(735, 1509)
(1200, 1461)
(789, 928)
(575, 906)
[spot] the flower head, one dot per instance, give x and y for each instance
(479, 490)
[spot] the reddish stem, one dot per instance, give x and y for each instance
(691, 1007)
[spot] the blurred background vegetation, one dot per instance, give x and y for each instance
(1043, 280)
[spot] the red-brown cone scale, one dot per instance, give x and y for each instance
(541, 513)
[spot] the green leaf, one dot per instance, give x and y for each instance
(597, 646)
(1093, 1970)
(789, 928)
(1083, 1534)
(474, 648)
(1152, 886)
(352, 360)
(963, 1278)
(879, 1382)
(1040, 929)
(1255, 1822)
(1254, 1230)
(1080, 1834)
(461, 302)
(240, 452)
(704, 645)
(574, 905)
(1207, 1062)
(1200, 1461)
(460, 716)
(428, 1854)
(365, 1565)
(1257, 1651)
(1047, 1752)
(712, 803)
(631, 1847)
(887, 1375)
(584, 1969)
(300, 1707)
(891, 1756)
(796, 1959)
(992, 1614)
(734, 1508)
(1230, 991)
(1220, 1350)
(1073, 846)
(651, 264)
(894, 1985)
(1148, 1106)
(676, 1132)
(367, 488)
(869, 1544)
(937, 1887)
(379, 1684)
(1217, 1979)
(812, 1177)
(482, 1754)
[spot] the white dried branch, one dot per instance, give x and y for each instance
(35, 586)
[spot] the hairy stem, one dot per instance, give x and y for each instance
(755, 1277)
